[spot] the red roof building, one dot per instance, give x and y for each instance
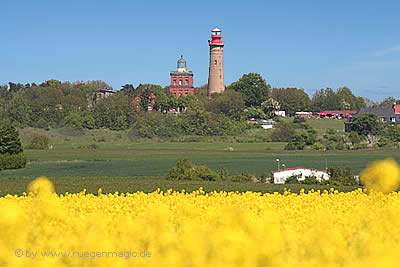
(181, 80)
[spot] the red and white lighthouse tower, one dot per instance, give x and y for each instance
(216, 70)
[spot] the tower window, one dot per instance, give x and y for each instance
(215, 62)
(180, 82)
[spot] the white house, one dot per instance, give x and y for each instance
(280, 176)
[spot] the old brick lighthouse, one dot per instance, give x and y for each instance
(216, 69)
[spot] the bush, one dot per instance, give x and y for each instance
(283, 132)
(223, 173)
(203, 173)
(292, 180)
(41, 124)
(14, 161)
(299, 120)
(180, 171)
(354, 137)
(340, 146)
(185, 170)
(317, 146)
(90, 146)
(39, 141)
(310, 180)
(341, 176)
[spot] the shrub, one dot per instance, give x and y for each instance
(299, 120)
(203, 173)
(310, 180)
(223, 173)
(90, 146)
(185, 170)
(341, 176)
(282, 132)
(181, 170)
(354, 137)
(41, 124)
(317, 146)
(339, 146)
(14, 161)
(330, 131)
(292, 180)
(39, 141)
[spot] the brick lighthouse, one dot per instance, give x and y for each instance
(216, 69)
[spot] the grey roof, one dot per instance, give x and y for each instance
(381, 112)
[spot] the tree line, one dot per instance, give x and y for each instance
(57, 104)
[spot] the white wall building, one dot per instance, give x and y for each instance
(280, 176)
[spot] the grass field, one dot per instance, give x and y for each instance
(114, 167)
(154, 159)
(121, 165)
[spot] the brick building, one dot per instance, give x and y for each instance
(181, 80)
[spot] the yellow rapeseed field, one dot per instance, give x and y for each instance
(360, 228)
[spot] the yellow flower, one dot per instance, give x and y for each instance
(382, 176)
(41, 186)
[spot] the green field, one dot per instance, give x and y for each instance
(154, 159)
(121, 165)
(142, 167)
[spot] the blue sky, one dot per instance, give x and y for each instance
(303, 44)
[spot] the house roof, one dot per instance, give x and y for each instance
(381, 112)
(297, 168)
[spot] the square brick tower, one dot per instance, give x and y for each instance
(181, 80)
(216, 70)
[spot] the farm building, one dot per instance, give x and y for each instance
(280, 176)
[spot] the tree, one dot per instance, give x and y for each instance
(348, 101)
(367, 123)
(9, 140)
(11, 152)
(269, 107)
(51, 83)
(144, 91)
(387, 102)
(115, 112)
(291, 99)
(253, 87)
(15, 87)
(325, 99)
(229, 103)
(18, 109)
(128, 89)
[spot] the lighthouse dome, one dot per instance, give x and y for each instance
(182, 65)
